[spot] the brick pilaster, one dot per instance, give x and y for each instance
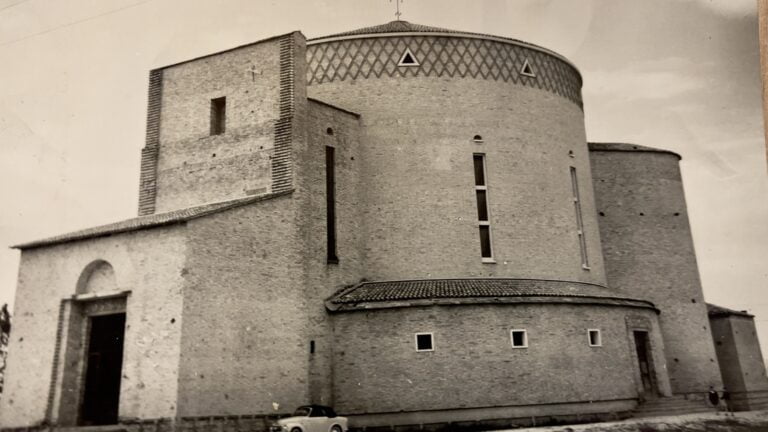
(149, 154)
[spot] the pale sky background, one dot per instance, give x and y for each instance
(677, 74)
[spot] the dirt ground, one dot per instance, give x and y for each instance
(751, 421)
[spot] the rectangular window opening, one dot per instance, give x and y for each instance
(311, 347)
(424, 342)
(479, 160)
(594, 338)
(483, 211)
(485, 241)
(482, 206)
(519, 338)
(579, 220)
(330, 194)
(218, 115)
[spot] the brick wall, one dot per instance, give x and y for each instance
(419, 209)
(377, 368)
(649, 253)
(727, 354)
(247, 345)
(244, 344)
(323, 278)
(741, 362)
(195, 167)
(149, 154)
(149, 264)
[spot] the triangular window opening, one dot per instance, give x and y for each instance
(527, 70)
(408, 59)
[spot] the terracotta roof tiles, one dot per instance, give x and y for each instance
(432, 289)
(400, 26)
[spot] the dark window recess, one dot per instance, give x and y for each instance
(485, 241)
(594, 337)
(330, 193)
(311, 347)
(477, 138)
(518, 338)
(527, 70)
(483, 216)
(408, 59)
(479, 170)
(218, 115)
(482, 206)
(424, 342)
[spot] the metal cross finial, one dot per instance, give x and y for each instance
(397, 6)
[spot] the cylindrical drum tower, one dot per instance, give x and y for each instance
(473, 152)
(485, 292)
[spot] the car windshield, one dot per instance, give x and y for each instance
(301, 412)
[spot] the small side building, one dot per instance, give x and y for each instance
(738, 354)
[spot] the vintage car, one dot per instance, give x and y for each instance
(311, 418)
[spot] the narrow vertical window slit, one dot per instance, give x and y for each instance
(330, 193)
(483, 214)
(579, 219)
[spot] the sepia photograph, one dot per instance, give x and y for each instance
(383, 215)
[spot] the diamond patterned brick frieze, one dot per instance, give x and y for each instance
(440, 56)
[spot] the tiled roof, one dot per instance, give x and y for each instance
(714, 310)
(150, 221)
(401, 26)
(624, 147)
(398, 26)
(367, 294)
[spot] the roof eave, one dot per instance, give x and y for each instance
(147, 222)
(463, 301)
(628, 147)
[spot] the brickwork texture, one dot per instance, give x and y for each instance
(741, 362)
(378, 368)
(227, 321)
(648, 251)
(419, 208)
(196, 167)
(146, 263)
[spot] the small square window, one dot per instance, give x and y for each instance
(424, 342)
(519, 338)
(594, 338)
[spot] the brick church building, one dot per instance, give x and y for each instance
(405, 222)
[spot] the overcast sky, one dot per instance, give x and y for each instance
(677, 74)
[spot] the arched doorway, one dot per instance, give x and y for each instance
(93, 353)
